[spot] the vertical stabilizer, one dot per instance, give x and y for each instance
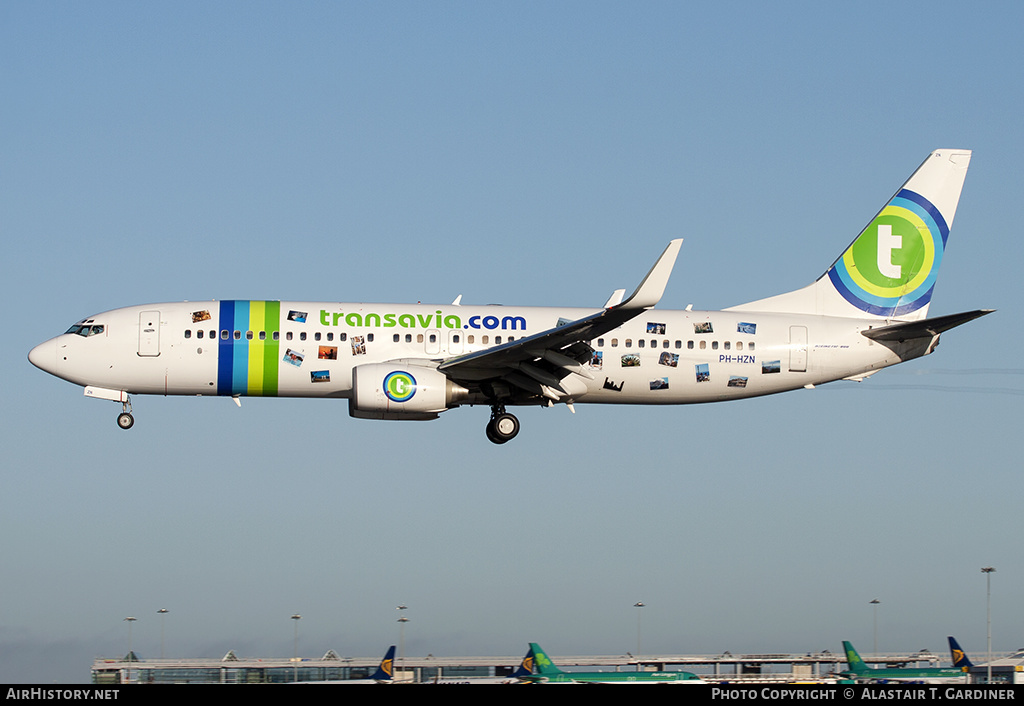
(386, 669)
(960, 658)
(853, 659)
(542, 662)
(889, 270)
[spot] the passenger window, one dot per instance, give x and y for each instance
(497, 340)
(288, 336)
(316, 336)
(739, 345)
(419, 338)
(600, 343)
(751, 346)
(343, 337)
(330, 336)
(408, 338)
(615, 343)
(640, 343)
(302, 336)
(714, 345)
(629, 343)
(224, 335)
(689, 345)
(199, 333)
(238, 335)
(395, 338)
(263, 335)
(727, 345)
(703, 344)
(188, 334)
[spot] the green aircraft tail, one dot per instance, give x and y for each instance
(543, 663)
(856, 664)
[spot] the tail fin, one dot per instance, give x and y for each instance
(386, 670)
(889, 270)
(856, 664)
(526, 666)
(544, 664)
(960, 659)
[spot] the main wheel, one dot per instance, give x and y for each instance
(503, 428)
(125, 420)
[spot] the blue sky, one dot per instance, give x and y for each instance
(523, 153)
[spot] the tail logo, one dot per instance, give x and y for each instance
(399, 386)
(891, 268)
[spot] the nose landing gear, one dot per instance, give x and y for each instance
(125, 420)
(502, 426)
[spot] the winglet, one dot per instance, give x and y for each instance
(650, 290)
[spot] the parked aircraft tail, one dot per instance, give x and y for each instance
(960, 659)
(542, 662)
(889, 270)
(854, 662)
(386, 670)
(526, 666)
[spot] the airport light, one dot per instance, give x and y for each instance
(638, 605)
(402, 620)
(162, 612)
(988, 570)
(875, 603)
(295, 655)
(128, 657)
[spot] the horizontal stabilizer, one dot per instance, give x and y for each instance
(926, 328)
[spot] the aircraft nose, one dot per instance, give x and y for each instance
(44, 356)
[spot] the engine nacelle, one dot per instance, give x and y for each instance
(400, 390)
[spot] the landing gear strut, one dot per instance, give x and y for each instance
(503, 426)
(125, 420)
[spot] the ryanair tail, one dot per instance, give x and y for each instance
(386, 671)
(889, 270)
(960, 659)
(526, 666)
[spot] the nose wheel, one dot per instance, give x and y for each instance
(125, 420)
(502, 427)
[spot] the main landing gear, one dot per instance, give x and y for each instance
(125, 420)
(503, 426)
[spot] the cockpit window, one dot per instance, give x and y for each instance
(86, 330)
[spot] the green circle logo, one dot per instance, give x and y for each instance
(399, 386)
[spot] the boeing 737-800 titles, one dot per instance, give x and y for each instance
(868, 311)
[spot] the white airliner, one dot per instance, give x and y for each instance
(868, 311)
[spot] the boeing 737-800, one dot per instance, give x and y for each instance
(867, 312)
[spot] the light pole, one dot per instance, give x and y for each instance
(129, 657)
(875, 603)
(162, 612)
(638, 605)
(295, 652)
(402, 620)
(988, 571)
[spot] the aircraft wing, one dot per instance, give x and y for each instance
(542, 360)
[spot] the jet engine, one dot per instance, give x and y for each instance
(401, 390)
